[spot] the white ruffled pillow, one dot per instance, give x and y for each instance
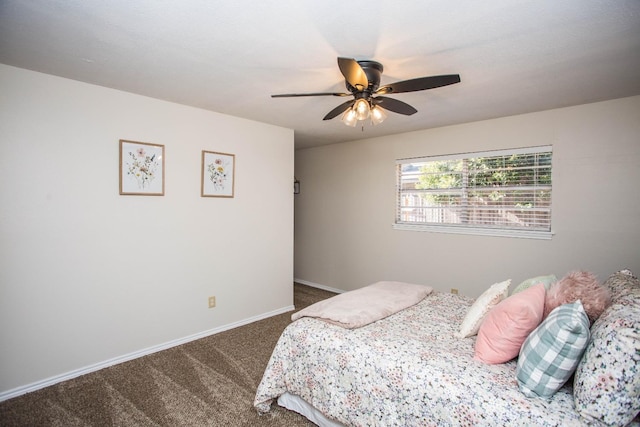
(481, 306)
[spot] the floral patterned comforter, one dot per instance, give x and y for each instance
(405, 370)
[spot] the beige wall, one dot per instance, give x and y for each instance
(343, 217)
(88, 276)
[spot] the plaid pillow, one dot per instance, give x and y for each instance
(551, 352)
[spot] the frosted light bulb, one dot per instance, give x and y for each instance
(362, 109)
(378, 115)
(349, 118)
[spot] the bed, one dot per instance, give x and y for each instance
(407, 369)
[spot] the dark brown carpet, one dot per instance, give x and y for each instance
(208, 382)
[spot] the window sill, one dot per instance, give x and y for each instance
(475, 231)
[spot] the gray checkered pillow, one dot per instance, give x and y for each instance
(552, 351)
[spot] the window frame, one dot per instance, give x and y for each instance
(472, 229)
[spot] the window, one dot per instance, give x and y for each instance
(505, 193)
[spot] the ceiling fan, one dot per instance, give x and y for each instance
(362, 79)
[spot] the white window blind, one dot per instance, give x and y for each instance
(505, 192)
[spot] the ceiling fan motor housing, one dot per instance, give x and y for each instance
(373, 71)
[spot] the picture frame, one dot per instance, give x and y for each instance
(141, 168)
(218, 174)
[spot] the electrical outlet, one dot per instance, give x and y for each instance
(212, 302)
(454, 291)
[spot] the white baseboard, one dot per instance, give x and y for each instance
(136, 354)
(319, 286)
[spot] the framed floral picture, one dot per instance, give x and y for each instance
(141, 168)
(218, 173)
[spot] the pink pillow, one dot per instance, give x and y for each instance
(509, 324)
(579, 285)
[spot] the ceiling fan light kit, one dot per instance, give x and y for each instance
(362, 80)
(362, 110)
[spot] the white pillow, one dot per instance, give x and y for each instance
(481, 306)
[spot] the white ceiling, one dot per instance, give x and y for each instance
(229, 56)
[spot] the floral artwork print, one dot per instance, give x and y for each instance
(141, 168)
(217, 174)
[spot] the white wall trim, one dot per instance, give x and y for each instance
(476, 231)
(18, 391)
(319, 286)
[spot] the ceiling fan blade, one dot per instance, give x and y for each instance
(289, 95)
(353, 73)
(421, 83)
(394, 105)
(339, 110)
